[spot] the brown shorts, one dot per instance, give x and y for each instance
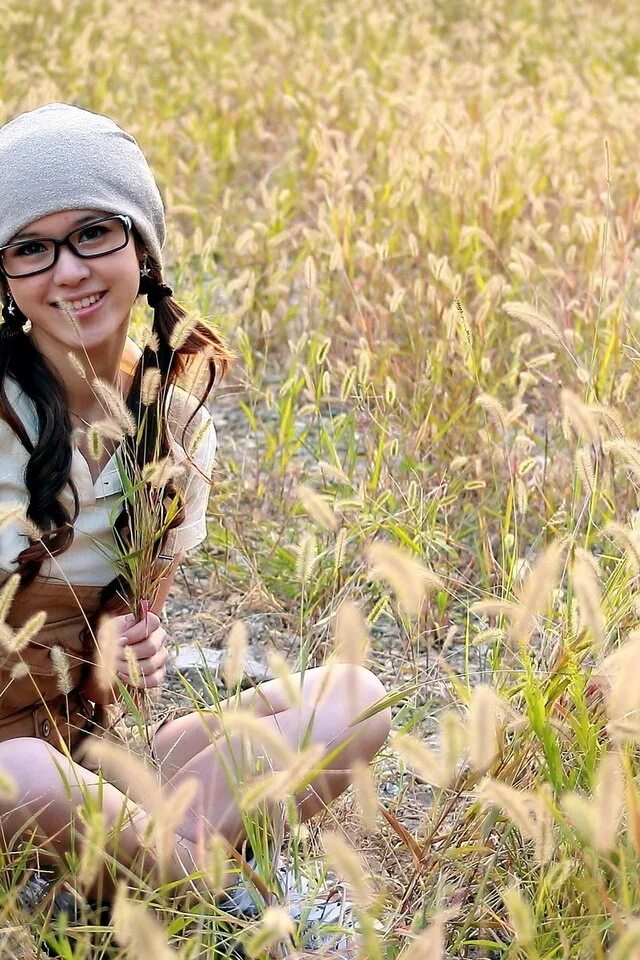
(68, 723)
(62, 720)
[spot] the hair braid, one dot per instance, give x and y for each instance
(49, 465)
(171, 364)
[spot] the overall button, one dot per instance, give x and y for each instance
(45, 728)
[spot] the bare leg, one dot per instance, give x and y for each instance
(50, 788)
(331, 699)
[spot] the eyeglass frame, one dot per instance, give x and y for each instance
(126, 221)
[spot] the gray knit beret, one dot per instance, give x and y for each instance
(61, 157)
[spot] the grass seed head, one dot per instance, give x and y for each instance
(244, 723)
(62, 668)
(11, 513)
(236, 654)
(77, 365)
(366, 794)
(428, 945)
(70, 315)
(217, 862)
(151, 381)
(351, 634)
(581, 814)
(534, 318)
(137, 929)
(306, 556)
(520, 916)
(23, 637)
(317, 508)
(133, 666)
(629, 450)
(589, 594)
(608, 801)
(197, 439)
(160, 472)
(514, 804)
(182, 331)
(93, 846)
(486, 719)
(410, 581)
(426, 762)
(7, 594)
(170, 813)
(622, 691)
(275, 926)
(580, 417)
(150, 340)
(20, 670)
(536, 591)
(350, 866)
(121, 763)
(453, 740)
(586, 469)
(281, 669)
(628, 540)
(106, 654)
(496, 410)
(627, 946)
(114, 405)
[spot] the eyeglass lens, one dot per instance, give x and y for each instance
(91, 240)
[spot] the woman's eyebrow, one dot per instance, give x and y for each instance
(76, 223)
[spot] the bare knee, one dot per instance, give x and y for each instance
(24, 764)
(357, 689)
(371, 691)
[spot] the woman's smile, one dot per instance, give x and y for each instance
(85, 306)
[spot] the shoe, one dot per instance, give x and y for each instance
(324, 917)
(38, 887)
(33, 892)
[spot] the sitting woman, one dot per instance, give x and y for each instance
(81, 232)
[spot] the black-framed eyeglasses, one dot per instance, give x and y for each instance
(26, 258)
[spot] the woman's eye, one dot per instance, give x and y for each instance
(92, 233)
(29, 249)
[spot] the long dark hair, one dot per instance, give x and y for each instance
(49, 465)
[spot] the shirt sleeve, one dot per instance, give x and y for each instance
(197, 460)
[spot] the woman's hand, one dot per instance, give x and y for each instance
(146, 642)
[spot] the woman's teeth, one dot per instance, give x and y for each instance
(85, 302)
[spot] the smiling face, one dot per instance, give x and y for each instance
(113, 278)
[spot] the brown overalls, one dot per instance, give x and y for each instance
(31, 705)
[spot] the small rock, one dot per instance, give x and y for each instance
(201, 667)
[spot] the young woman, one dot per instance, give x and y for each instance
(82, 225)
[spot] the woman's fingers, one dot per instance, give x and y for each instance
(142, 629)
(148, 647)
(151, 674)
(151, 656)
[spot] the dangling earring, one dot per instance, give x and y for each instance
(13, 316)
(144, 270)
(9, 309)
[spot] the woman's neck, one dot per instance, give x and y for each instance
(116, 370)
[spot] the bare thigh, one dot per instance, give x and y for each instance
(48, 789)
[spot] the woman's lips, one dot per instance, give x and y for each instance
(86, 311)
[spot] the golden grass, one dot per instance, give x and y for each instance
(416, 222)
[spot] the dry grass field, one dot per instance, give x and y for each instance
(415, 221)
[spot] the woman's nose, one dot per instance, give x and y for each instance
(69, 268)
